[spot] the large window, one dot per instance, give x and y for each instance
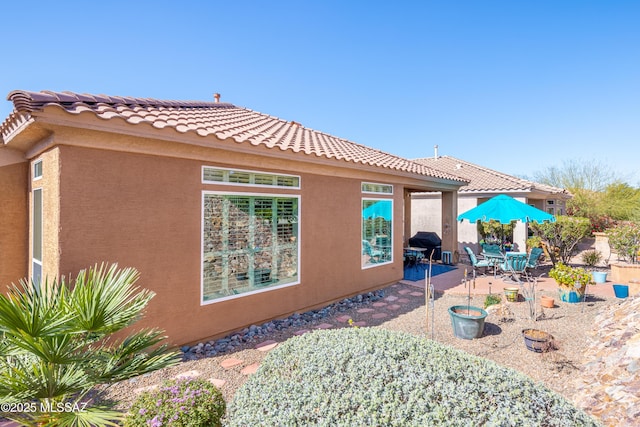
(250, 243)
(377, 229)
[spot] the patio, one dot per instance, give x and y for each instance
(452, 282)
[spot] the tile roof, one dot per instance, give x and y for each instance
(483, 179)
(224, 120)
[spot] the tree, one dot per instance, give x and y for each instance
(56, 345)
(624, 239)
(575, 174)
(598, 193)
(562, 236)
(621, 201)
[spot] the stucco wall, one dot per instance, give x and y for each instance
(145, 211)
(14, 225)
(49, 183)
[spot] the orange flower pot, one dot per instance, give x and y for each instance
(547, 302)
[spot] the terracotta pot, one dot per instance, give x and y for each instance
(547, 302)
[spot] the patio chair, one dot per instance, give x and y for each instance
(374, 254)
(475, 262)
(534, 257)
(516, 266)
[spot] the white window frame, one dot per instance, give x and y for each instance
(37, 165)
(390, 186)
(390, 261)
(35, 261)
(241, 184)
(202, 237)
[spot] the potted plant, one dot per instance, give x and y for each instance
(572, 281)
(537, 340)
(467, 321)
(591, 259)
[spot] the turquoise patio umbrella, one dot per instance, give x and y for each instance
(381, 209)
(504, 209)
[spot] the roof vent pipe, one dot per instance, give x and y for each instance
(216, 96)
(435, 152)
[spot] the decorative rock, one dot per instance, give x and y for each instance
(266, 345)
(258, 332)
(391, 298)
(365, 310)
(609, 386)
(301, 332)
(324, 326)
(343, 319)
(251, 369)
(188, 374)
(230, 363)
(379, 304)
(379, 315)
(218, 382)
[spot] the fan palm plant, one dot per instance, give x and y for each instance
(56, 346)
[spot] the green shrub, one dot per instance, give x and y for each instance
(184, 402)
(492, 299)
(374, 377)
(592, 258)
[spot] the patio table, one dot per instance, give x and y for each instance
(495, 259)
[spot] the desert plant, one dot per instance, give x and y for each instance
(185, 402)
(492, 299)
(592, 258)
(624, 239)
(55, 345)
(376, 377)
(534, 242)
(562, 237)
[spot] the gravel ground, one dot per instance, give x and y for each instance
(502, 340)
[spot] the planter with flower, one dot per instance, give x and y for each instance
(572, 281)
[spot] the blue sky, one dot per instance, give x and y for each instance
(516, 86)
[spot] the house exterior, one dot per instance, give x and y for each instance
(231, 216)
(483, 183)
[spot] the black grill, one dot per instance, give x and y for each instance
(428, 240)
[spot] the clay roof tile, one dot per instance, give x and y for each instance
(224, 120)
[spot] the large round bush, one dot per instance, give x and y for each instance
(374, 377)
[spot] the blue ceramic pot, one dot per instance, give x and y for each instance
(599, 276)
(467, 321)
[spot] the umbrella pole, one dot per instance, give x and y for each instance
(429, 297)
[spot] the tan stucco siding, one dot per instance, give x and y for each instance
(145, 212)
(50, 185)
(14, 225)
